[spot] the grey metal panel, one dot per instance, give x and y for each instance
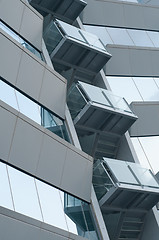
(75, 160)
(136, 61)
(8, 11)
(148, 119)
(53, 91)
(140, 62)
(105, 10)
(45, 155)
(134, 16)
(119, 63)
(26, 145)
(151, 17)
(125, 14)
(9, 120)
(23, 227)
(54, 154)
(26, 16)
(32, 76)
(9, 59)
(32, 27)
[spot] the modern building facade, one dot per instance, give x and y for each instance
(79, 91)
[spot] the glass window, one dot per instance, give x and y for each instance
(16, 37)
(71, 225)
(101, 32)
(7, 95)
(120, 36)
(51, 205)
(147, 88)
(140, 38)
(32, 110)
(5, 193)
(144, 175)
(24, 194)
(150, 146)
(28, 107)
(125, 87)
(140, 152)
(92, 40)
(154, 36)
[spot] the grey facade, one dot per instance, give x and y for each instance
(76, 160)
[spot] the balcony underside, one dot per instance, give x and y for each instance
(66, 10)
(119, 198)
(103, 119)
(71, 54)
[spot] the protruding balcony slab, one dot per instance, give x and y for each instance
(70, 47)
(128, 186)
(67, 10)
(96, 109)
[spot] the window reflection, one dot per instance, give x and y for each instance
(127, 37)
(38, 200)
(5, 191)
(147, 88)
(124, 86)
(24, 194)
(136, 88)
(33, 111)
(20, 40)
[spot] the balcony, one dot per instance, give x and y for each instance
(70, 47)
(94, 109)
(65, 10)
(125, 186)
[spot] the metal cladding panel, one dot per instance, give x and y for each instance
(146, 125)
(44, 155)
(146, 17)
(26, 16)
(29, 228)
(67, 10)
(32, 76)
(128, 61)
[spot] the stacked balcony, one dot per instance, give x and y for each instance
(66, 10)
(128, 186)
(100, 118)
(73, 48)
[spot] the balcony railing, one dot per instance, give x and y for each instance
(99, 109)
(125, 185)
(70, 47)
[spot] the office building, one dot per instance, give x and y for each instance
(79, 91)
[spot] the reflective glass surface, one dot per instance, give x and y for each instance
(80, 35)
(140, 38)
(5, 190)
(147, 88)
(146, 149)
(144, 175)
(121, 171)
(104, 97)
(136, 88)
(120, 36)
(32, 110)
(126, 37)
(131, 173)
(20, 40)
(31, 197)
(24, 194)
(101, 32)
